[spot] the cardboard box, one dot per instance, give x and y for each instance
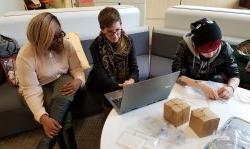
(176, 111)
(203, 121)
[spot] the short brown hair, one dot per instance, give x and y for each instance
(108, 16)
(41, 31)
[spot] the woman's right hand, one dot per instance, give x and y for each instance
(50, 126)
(71, 87)
(208, 91)
(127, 83)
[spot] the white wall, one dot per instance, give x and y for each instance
(11, 5)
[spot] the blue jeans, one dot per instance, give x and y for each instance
(58, 107)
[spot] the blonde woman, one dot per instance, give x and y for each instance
(50, 73)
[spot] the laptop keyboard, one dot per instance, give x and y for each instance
(117, 102)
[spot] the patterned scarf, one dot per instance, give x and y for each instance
(115, 56)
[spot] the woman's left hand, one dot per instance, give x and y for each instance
(71, 87)
(127, 82)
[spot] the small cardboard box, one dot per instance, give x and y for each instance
(203, 121)
(176, 111)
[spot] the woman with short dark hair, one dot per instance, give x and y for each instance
(113, 54)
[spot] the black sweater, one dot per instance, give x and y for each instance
(99, 80)
(189, 65)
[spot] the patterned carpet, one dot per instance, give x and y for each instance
(88, 133)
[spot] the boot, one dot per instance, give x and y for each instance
(46, 143)
(66, 139)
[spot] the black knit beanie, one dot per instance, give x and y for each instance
(204, 31)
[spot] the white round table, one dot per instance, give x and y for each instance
(116, 124)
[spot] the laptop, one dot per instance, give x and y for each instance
(142, 93)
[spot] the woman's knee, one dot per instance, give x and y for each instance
(57, 86)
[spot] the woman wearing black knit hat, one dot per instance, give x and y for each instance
(202, 55)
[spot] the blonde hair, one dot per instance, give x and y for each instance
(41, 31)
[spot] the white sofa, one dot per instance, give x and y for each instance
(234, 23)
(15, 116)
(82, 20)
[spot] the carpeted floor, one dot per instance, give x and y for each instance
(88, 133)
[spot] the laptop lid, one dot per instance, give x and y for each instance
(147, 92)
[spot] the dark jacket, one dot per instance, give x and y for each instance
(242, 61)
(99, 80)
(189, 63)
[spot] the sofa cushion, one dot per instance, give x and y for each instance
(140, 37)
(10, 98)
(13, 111)
(86, 45)
(75, 41)
(15, 121)
(164, 43)
(160, 66)
(143, 66)
(163, 49)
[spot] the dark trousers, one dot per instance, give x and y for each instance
(58, 107)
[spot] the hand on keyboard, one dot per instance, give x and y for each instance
(127, 82)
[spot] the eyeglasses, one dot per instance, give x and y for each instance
(111, 33)
(59, 35)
